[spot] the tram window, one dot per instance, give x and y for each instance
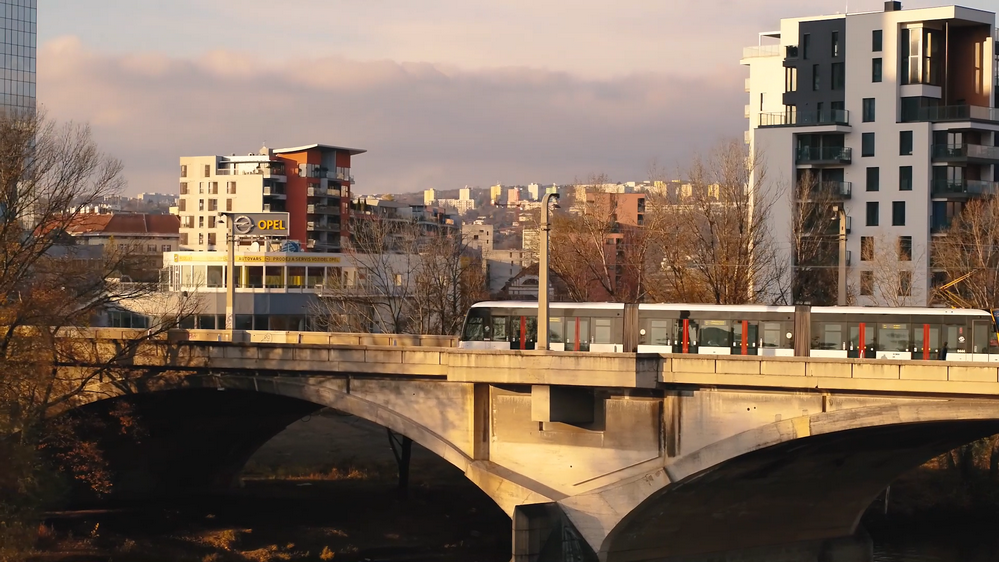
(716, 333)
(933, 343)
(555, 330)
(584, 334)
(980, 343)
(473, 328)
(532, 329)
(660, 332)
(827, 335)
(602, 330)
(893, 337)
(955, 337)
(771, 334)
(855, 336)
(499, 329)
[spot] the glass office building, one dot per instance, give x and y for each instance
(18, 23)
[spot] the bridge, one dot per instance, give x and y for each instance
(617, 457)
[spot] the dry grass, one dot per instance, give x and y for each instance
(339, 472)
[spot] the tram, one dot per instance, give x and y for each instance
(816, 331)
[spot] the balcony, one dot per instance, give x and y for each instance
(827, 190)
(806, 118)
(747, 85)
(945, 188)
(965, 153)
(824, 156)
(952, 113)
(274, 192)
(748, 111)
(316, 192)
(840, 189)
(277, 172)
(761, 51)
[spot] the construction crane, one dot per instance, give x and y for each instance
(953, 297)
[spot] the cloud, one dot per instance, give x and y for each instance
(424, 125)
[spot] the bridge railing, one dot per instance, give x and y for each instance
(269, 336)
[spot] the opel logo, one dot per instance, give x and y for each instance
(242, 224)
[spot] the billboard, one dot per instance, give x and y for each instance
(259, 224)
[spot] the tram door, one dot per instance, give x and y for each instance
(981, 332)
(686, 333)
(745, 336)
(524, 332)
(862, 340)
(926, 339)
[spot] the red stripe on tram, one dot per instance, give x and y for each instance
(926, 342)
(745, 336)
(576, 339)
(686, 335)
(863, 342)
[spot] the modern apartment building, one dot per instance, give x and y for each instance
(18, 24)
(312, 183)
(893, 114)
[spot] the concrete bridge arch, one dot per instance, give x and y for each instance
(800, 480)
(202, 449)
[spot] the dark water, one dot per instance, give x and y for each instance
(946, 541)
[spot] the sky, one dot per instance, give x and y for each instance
(441, 93)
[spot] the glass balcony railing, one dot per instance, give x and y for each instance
(965, 152)
(761, 51)
(952, 113)
(824, 155)
(842, 189)
(806, 118)
(966, 187)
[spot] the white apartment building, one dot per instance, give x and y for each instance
(894, 112)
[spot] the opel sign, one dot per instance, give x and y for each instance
(259, 224)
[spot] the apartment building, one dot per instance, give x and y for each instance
(312, 183)
(891, 113)
(18, 33)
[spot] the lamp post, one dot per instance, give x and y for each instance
(542, 342)
(841, 293)
(230, 276)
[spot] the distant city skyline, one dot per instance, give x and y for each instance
(442, 94)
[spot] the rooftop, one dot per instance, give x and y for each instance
(322, 147)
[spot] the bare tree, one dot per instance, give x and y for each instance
(814, 276)
(374, 292)
(449, 279)
(969, 251)
(889, 270)
(49, 286)
(728, 211)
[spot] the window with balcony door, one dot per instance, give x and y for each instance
(816, 82)
(182, 205)
(867, 144)
(213, 204)
(208, 170)
(873, 179)
(201, 205)
(905, 178)
(183, 188)
(873, 210)
(183, 239)
(868, 114)
(876, 70)
(211, 238)
(201, 221)
(898, 213)
(211, 221)
(183, 170)
(905, 143)
(228, 205)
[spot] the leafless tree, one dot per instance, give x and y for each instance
(449, 279)
(970, 250)
(889, 270)
(50, 286)
(813, 277)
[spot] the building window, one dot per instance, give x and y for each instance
(201, 239)
(165, 247)
(201, 221)
(873, 179)
(211, 238)
(866, 248)
(806, 42)
(208, 170)
(183, 170)
(872, 213)
(815, 77)
(211, 221)
(905, 248)
(835, 44)
(868, 110)
(905, 143)
(876, 70)
(905, 283)
(183, 188)
(905, 178)
(791, 79)
(213, 204)
(876, 38)
(182, 205)
(183, 239)
(228, 205)
(867, 283)
(214, 190)
(838, 76)
(201, 187)
(201, 205)
(867, 144)
(230, 187)
(151, 248)
(898, 213)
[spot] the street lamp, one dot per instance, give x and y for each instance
(841, 293)
(542, 342)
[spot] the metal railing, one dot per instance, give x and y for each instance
(953, 113)
(961, 151)
(825, 154)
(805, 118)
(761, 51)
(966, 187)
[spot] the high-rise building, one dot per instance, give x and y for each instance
(18, 23)
(312, 183)
(893, 115)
